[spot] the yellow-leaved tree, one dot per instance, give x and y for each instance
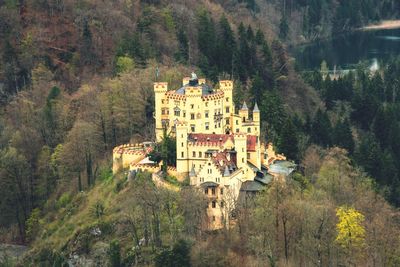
(350, 231)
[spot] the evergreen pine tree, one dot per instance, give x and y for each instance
(226, 46)
(342, 136)
(288, 141)
(321, 129)
(283, 28)
(182, 55)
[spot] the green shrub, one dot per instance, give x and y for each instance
(32, 224)
(115, 254)
(172, 180)
(98, 210)
(120, 185)
(105, 174)
(64, 200)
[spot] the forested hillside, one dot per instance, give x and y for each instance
(76, 80)
(307, 20)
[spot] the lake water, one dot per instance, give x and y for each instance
(345, 51)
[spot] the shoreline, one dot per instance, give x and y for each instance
(383, 25)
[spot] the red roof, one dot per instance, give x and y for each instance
(211, 138)
(222, 138)
(251, 142)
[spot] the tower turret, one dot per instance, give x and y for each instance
(244, 112)
(256, 113)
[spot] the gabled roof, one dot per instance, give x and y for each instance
(225, 161)
(251, 142)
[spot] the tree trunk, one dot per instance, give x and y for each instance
(79, 182)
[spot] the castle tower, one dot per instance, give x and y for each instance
(244, 112)
(241, 150)
(160, 88)
(228, 108)
(182, 157)
(256, 118)
(256, 113)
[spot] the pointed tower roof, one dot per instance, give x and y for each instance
(192, 172)
(256, 108)
(226, 171)
(244, 107)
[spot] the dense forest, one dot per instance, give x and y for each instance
(367, 105)
(321, 18)
(76, 80)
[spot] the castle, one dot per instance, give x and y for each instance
(217, 149)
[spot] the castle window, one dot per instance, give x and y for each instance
(182, 154)
(244, 119)
(237, 130)
(227, 121)
(200, 154)
(206, 191)
(222, 191)
(217, 179)
(227, 109)
(206, 104)
(237, 122)
(242, 160)
(214, 205)
(207, 126)
(163, 111)
(222, 204)
(192, 106)
(219, 125)
(177, 112)
(182, 143)
(249, 130)
(192, 116)
(213, 218)
(192, 128)
(162, 101)
(248, 155)
(206, 114)
(184, 114)
(227, 99)
(213, 191)
(194, 154)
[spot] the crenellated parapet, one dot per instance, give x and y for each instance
(127, 154)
